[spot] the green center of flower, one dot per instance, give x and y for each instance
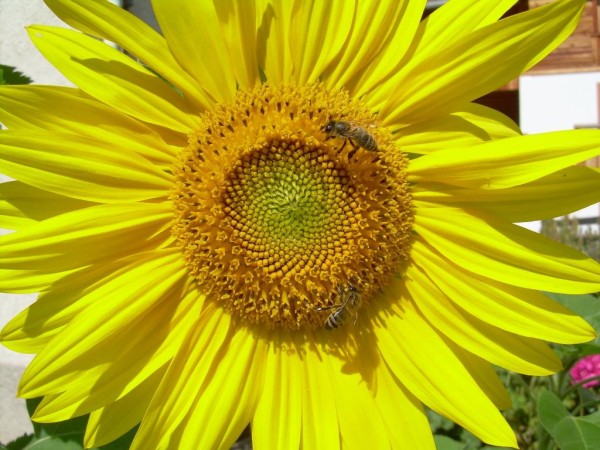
(280, 217)
(281, 205)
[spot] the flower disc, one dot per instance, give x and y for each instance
(277, 219)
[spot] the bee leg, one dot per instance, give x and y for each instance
(352, 152)
(342, 146)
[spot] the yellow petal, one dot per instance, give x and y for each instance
(92, 387)
(515, 353)
(551, 196)
(314, 42)
(521, 311)
(353, 390)
(404, 417)
(238, 21)
(424, 363)
(442, 77)
(507, 162)
(67, 110)
(80, 167)
(458, 18)
(320, 429)
(109, 423)
(32, 329)
(204, 351)
(104, 19)
(113, 78)
(469, 126)
(28, 281)
(193, 33)
(506, 252)
(278, 418)
(377, 33)
(22, 205)
(129, 297)
(484, 375)
(226, 402)
(79, 238)
(447, 24)
(272, 46)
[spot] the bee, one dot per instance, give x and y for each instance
(350, 132)
(350, 302)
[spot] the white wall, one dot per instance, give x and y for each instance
(558, 102)
(15, 47)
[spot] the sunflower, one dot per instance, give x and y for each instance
(289, 215)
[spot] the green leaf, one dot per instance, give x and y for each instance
(54, 443)
(9, 75)
(588, 349)
(469, 440)
(18, 444)
(577, 434)
(445, 443)
(550, 410)
(570, 433)
(70, 431)
(592, 418)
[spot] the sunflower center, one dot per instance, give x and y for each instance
(290, 204)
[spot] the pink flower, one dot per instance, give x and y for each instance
(585, 368)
